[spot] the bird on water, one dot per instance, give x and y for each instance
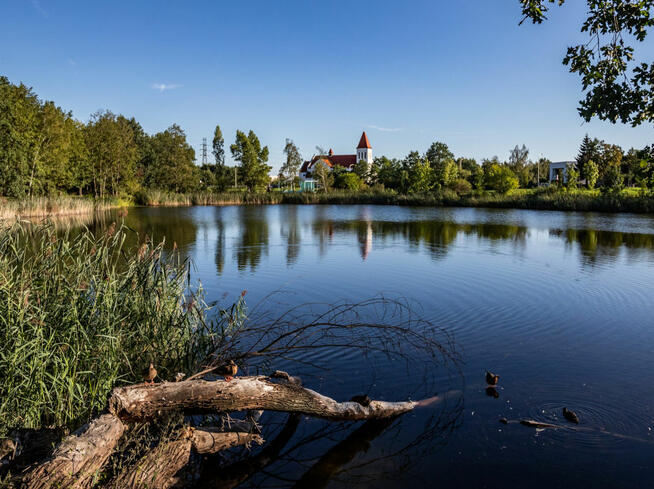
(570, 415)
(491, 378)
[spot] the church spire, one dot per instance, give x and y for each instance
(363, 142)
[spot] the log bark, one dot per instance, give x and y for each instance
(157, 469)
(242, 393)
(78, 458)
(207, 441)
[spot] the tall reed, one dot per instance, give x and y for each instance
(80, 314)
(53, 206)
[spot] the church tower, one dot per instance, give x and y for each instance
(364, 150)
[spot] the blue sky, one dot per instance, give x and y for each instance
(408, 73)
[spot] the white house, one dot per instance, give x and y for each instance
(559, 169)
(363, 153)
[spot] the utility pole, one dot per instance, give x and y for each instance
(204, 151)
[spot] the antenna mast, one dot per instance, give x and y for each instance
(204, 151)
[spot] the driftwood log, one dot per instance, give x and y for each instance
(157, 469)
(79, 458)
(243, 393)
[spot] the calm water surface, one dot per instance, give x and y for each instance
(559, 304)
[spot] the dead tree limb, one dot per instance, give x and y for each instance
(243, 393)
(157, 469)
(207, 441)
(78, 457)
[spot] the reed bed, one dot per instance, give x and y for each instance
(80, 314)
(542, 199)
(53, 206)
(169, 199)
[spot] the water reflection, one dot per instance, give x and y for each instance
(254, 235)
(290, 231)
(602, 246)
(249, 229)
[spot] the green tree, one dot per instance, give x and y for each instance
(437, 153)
(323, 175)
(590, 149)
(217, 176)
(111, 146)
(573, 176)
(477, 178)
(610, 156)
(519, 165)
(613, 180)
(500, 178)
(346, 180)
(441, 160)
(293, 161)
(616, 86)
(592, 173)
(19, 110)
(387, 172)
(218, 146)
(421, 176)
(362, 170)
(248, 151)
(173, 168)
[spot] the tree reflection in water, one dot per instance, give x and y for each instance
(254, 237)
(252, 227)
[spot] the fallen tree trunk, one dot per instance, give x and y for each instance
(157, 469)
(78, 457)
(243, 393)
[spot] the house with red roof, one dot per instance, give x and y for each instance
(363, 153)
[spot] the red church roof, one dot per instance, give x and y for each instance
(346, 161)
(363, 142)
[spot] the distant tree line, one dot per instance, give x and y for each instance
(598, 164)
(44, 150)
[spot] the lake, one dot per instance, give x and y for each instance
(558, 304)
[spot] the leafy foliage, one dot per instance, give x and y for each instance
(248, 151)
(616, 87)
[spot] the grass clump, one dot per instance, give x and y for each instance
(80, 314)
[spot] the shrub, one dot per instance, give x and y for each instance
(501, 178)
(462, 186)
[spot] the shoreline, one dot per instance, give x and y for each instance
(577, 201)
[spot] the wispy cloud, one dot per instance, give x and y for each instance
(37, 5)
(162, 87)
(72, 62)
(385, 129)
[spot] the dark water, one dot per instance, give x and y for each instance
(558, 304)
